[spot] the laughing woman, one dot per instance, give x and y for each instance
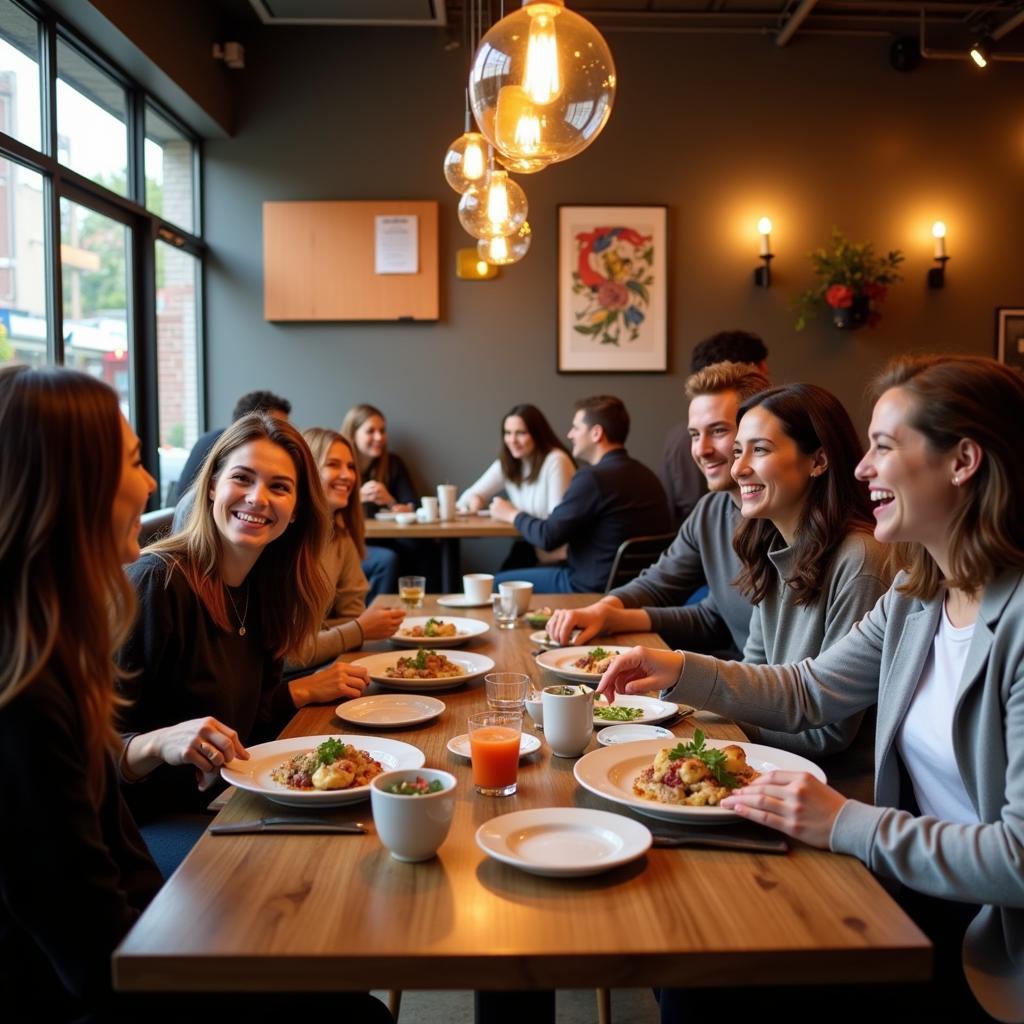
(74, 872)
(221, 605)
(943, 655)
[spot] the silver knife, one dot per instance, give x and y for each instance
(307, 825)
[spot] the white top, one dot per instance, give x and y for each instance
(925, 739)
(538, 498)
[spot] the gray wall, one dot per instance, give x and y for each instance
(721, 129)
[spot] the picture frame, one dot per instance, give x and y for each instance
(612, 289)
(1010, 336)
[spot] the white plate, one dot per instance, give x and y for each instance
(541, 637)
(610, 771)
(563, 842)
(461, 601)
(385, 517)
(465, 629)
(559, 661)
(528, 743)
(389, 710)
(254, 774)
(484, 513)
(475, 665)
(654, 710)
(626, 733)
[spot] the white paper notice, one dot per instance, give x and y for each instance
(397, 245)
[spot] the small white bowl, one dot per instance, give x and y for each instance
(413, 827)
(628, 733)
(535, 707)
(405, 518)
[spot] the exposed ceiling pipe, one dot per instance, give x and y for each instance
(1003, 29)
(1008, 26)
(796, 19)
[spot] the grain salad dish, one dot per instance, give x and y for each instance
(332, 765)
(425, 665)
(694, 775)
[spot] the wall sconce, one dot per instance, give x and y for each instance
(763, 275)
(937, 275)
(470, 267)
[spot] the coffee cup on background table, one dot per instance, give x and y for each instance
(446, 495)
(477, 587)
(522, 591)
(428, 512)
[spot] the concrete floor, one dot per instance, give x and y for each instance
(573, 1006)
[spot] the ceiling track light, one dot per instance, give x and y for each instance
(982, 52)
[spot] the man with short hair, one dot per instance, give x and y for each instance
(683, 482)
(702, 551)
(611, 498)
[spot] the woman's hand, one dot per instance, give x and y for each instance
(334, 681)
(590, 621)
(792, 802)
(204, 743)
(407, 507)
(379, 623)
(640, 670)
(474, 503)
(374, 491)
(503, 510)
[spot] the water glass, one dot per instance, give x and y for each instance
(494, 751)
(506, 691)
(506, 611)
(411, 590)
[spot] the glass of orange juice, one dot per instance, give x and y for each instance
(494, 751)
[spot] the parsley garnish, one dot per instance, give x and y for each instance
(712, 757)
(599, 654)
(431, 627)
(330, 751)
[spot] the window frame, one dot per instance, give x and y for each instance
(146, 227)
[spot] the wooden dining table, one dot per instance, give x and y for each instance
(263, 913)
(449, 532)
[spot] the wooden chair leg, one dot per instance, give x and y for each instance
(604, 1005)
(394, 1002)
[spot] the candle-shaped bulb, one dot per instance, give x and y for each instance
(939, 234)
(764, 227)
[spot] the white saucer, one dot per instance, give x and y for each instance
(385, 517)
(562, 842)
(390, 710)
(528, 743)
(461, 601)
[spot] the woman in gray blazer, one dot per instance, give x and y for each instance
(942, 653)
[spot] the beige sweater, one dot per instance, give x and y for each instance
(340, 632)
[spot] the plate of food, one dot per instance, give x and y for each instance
(390, 710)
(426, 669)
(633, 734)
(541, 637)
(437, 631)
(322, 771)
(459, 745)
(628, 709)
(684, 782)
(563, 842)
(579, 663)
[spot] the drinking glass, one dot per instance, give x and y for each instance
(506, 691)
(410, 590)
(494, 751)
(506, 612)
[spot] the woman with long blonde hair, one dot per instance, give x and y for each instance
(74, 871)
(347, 622)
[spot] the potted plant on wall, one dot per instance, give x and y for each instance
(853, 282)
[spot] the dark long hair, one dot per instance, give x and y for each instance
(956, 397)
(67, 602)
(836, 504)
(544, 440)
(288, 583)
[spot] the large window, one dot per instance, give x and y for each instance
(100, 247)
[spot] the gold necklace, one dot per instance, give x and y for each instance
(245, 614)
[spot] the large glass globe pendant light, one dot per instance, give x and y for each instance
(542, 85)
(502, 251)
(498, 207)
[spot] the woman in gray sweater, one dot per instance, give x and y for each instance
(943, 655)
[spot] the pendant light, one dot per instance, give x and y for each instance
(497, 208)
(542, 85)
(465, 163)
(501, 251)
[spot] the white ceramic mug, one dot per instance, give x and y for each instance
(446, 495)
(477, 587)
(412, 827)
(568, 715)
(428, 509)
(522, 590)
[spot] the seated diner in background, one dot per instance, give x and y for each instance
(702, 552)
(347, 622)
(610, 499)
(533, 468)
(942, 653)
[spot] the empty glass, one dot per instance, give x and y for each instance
(506, 691)
(506, 611)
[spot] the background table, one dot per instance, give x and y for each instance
(328, 913)
(449, 533)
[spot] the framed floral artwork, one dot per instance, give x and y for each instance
(1010, 336)
(612, 289)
